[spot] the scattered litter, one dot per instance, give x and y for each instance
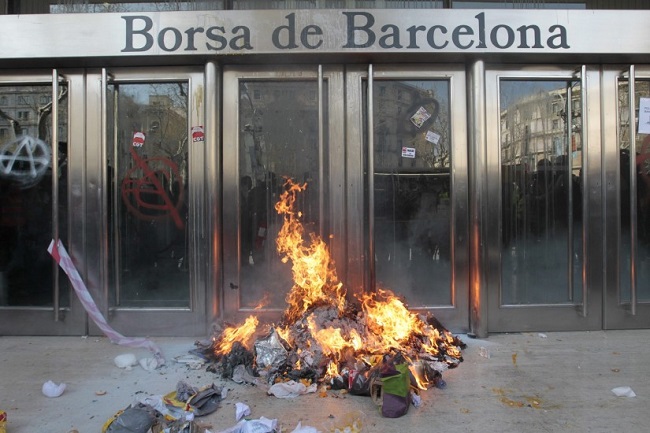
(241, 410)
(184, 391)
(482, 351)
(173, 412)
(392, 391)
(270, 352)
(126, 361)
(138, 418)
(261, 425)
(3, 421)
(305, 429)
(169, 409)
(51, 389)
(541, 335)
(192, 361)
(623, 391)
(100, 392)
(439, 366)
(291, 389)
(416, 400)
(149, 364)
(240, 375)
(205, 401)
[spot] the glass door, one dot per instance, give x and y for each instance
(153, 157)
(38, 135)
(627, 168)
(543, 164)
(275, 131)
(382, 153)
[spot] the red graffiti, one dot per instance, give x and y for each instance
(146, 197)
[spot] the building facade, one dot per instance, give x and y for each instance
(488, 165)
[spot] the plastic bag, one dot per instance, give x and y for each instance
(395, 390)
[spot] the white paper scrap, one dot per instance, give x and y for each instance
(623, 391)
(51, 389)
(241, 410)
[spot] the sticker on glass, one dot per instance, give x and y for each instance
(420, 116)
(408, 152)
(138, 139)
(432, 137)
(198, 134)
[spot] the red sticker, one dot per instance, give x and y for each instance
(198, 134)
(138, 139)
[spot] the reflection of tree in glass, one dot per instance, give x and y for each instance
(160, 111)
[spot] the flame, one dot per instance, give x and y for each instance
(314, 276)
(332, 341)
(420, 381)
(383, 325)
(232, 334)
(388, 319)
(332, 370)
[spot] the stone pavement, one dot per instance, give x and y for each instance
(530, 382)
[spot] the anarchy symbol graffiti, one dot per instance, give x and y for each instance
(24, 160)
(146, 196)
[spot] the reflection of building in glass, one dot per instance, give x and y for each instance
(535, 129)
(21, 111)
(641, 90)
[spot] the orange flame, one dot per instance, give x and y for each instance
(332, 341)
(384, 324)
(314, 276)
(232, 334)
(389, 321)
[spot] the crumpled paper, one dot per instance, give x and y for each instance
(149, 364)
(291, 389)
(241, 410)
(51, 389)
(126, 361)
(261, 425)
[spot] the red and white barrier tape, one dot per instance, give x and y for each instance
(59, 253)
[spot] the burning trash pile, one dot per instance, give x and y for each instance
(327, 341)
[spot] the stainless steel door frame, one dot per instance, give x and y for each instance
(626, 303)
(55, 319)
(188, 320)
(585, 312)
